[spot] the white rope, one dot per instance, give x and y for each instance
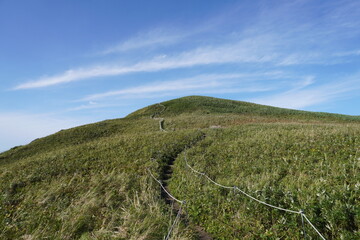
(175, 221)
(322, 237)
(203, 174)
(267, 204)
(220, 185)
(255, 199)
(179, 201)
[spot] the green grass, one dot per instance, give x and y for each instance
(315, 168)
(91, 182)
(92, 188)
(198, 105)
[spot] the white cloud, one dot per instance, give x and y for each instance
(202, 83)
(348, 53)
(74, 75)
(306, 95)
(178, 85)
(93, 105)
(19, 128)
(276, 36)
(244, 51)
(295, 99)
(151, 39)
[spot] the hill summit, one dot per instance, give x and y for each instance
(102, 180)
(200, 105)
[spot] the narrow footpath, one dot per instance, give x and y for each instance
(166, 175)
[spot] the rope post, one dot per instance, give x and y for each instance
(302, 222)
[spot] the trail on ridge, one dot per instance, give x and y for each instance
(166, 175)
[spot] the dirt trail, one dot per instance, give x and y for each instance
(161, 120)
(166, 175)
(167, 172)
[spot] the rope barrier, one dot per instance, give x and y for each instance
(303, 216)
(255, 199)
(203, 174)
(236, 188)
(175, 221)
(179, 201)
(322, 237)
(267, 204)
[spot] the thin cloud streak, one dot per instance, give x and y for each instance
(205, 83)
(177, 85)
(348, 53)
(74, 75)
(269, 40)
(306, 96)
(245, 51)
(160, 37)
(154, 38)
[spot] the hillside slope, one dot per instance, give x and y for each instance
(199, 105)
(91, 182)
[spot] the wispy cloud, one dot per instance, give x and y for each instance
(93, 105)
(276, 38)
(200, 82)
(72, 75)
(306, 94)
(219, 83)
(163, 36)
(151, 39)
(348, 53)
(245, 51)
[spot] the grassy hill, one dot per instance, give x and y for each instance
(91, 182)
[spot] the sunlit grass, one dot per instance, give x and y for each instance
(90, 182)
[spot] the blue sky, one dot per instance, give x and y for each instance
(66, 63)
